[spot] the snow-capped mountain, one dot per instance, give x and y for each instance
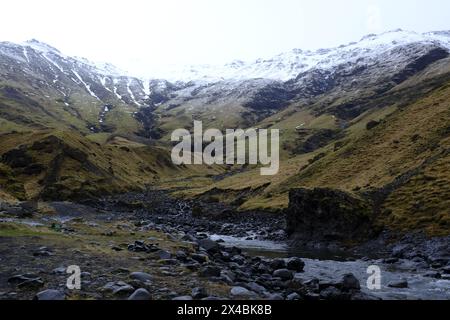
(288, 65)
(250, 90)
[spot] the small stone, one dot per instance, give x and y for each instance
(60, 270)
(293, 296)
(182, 298)
(201, 258)
(31, 284)
(242, 292)
(350, 282)
(141, 276)
(210, 246)
(253, 286)
(403, 284)
(50, 295)
(209, 271)
(332, 293)
(164, 255)
(199, 293)
(140, 294)
(181, 255)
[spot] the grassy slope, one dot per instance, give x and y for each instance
(411, 138)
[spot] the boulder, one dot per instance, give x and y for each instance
(328, 215)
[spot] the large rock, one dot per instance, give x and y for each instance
(327, 215)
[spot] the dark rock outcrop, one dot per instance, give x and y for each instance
(328, 215)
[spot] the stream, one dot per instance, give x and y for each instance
(327, 265)
(330, 266)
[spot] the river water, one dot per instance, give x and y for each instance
(331, 266)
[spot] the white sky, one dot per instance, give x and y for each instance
(140, 34)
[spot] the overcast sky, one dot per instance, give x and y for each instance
(138, 34)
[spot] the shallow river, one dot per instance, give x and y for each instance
(327, 265)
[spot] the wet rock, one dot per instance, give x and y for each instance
(242, 292)
(209, 271)
(283, 274)
(199, 293)
(140, 295)
(350, 282)
(403, 284)
(295, 264)
(50, 295)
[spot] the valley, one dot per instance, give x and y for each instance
(86, 175)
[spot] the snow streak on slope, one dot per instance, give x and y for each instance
(88, 87)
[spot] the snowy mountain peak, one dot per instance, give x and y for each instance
(40, 46)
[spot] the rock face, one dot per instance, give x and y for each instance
(327, 215)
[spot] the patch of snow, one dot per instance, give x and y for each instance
(53, 63)
(25, 54)
(146, 87)
(103, 81)
(131, 93)
(88, 87)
